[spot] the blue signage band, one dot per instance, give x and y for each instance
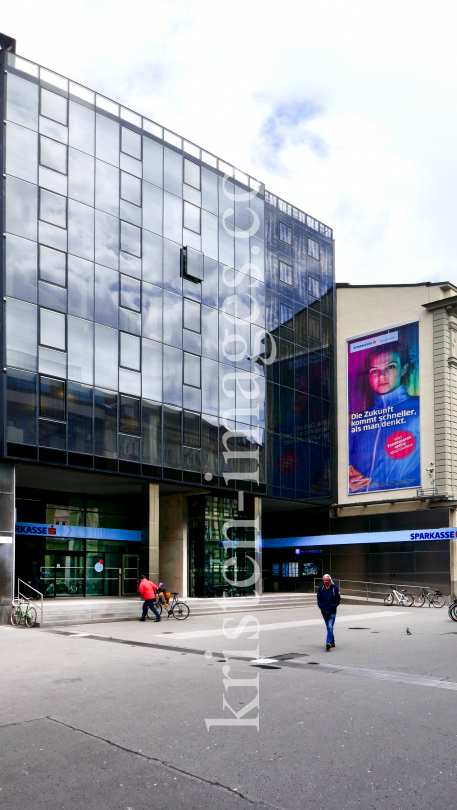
(52, 530)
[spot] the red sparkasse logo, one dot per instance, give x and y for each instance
(52, 530)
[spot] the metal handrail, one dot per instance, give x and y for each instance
(23, 596)
(366, 584)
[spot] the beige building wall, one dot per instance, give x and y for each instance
(364, 310)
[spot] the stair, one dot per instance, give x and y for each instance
(85, 611)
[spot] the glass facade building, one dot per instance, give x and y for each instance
(164, 317)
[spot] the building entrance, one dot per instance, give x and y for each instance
(67, 574)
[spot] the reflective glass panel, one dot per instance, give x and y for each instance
(192, 217)
(130, 293)
(151, 440)
(105, 424)
(54, 106)
(52, 434)
(131, 188)
(131, 265)
(106, 240)
(130, 352)
(81, 230)
(130, 239)
(192, 315)
(51, 361)
(129, 447)
(106, 295)
(130, 213)
(172, 322)
(210, 282)
(172, 217)
(210, 319)
(172, 437)
(21, 407)
(80, 287)
(81, 350)
(81, 177)
(49, 295)
(53, 155)
(52, 236)
(152, 162)
(82, 128)
(192, 174)
(172, 266)
(192, 370)
(21, 208)
(129, 382)
(107, 140)
(106, 357)
(52, 266)
(21, 268)
(80, 418)
(129, 321)
(52, 329)
(22, 102)
(52, 398)
(53, 208)
(209, 387)
(209, 192)
(129, 415)
(131, 143)
(172, 178)
(152, 208)
(21, 152)
(152, 257)
(21, 335)
(152, 311)
(52, 180)
(172, 375)
(107, 188)
(152, 370)
(53, 130)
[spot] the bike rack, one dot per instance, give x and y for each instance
(23, 596)
(345, 585)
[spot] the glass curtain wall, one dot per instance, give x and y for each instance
(121, 349)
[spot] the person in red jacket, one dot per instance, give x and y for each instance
(148, 591)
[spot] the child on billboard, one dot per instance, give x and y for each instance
(384, 418)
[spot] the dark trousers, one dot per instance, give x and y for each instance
(149, 603)
(329, 619)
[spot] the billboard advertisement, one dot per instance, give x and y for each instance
(384, 410)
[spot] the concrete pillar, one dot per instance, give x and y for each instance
(173, 543)
(7, 521)
(258, 551)
(154, 532)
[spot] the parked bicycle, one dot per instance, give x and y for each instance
(434, 598)
(177, 609)
(453, 611)
(23, 611)
(402, 598)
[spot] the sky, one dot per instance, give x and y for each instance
(344, 108)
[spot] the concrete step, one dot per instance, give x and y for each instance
(105, 610)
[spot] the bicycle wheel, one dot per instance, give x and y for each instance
(150, 613)
(453, 612)
(438, 601)
(389, 600)
(15, 616)
(408, 600)
(31, 617)
(180, 611)
(419, 601)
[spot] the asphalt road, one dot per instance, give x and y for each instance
(128, 715)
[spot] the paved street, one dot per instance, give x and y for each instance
(112, 716)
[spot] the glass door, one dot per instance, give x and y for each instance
(95, 568)
(130, 574)
(62, 574)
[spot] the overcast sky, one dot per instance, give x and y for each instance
(345, 108)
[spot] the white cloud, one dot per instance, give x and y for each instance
(345, 109)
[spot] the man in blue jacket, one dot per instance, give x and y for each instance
(328, 599)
